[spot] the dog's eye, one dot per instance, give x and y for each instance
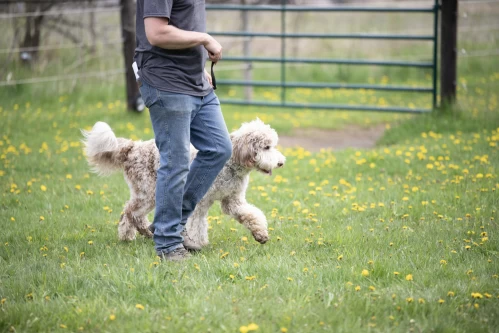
(267, 147)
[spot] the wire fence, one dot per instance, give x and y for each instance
(82, 41)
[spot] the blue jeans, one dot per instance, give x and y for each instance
(179, 120)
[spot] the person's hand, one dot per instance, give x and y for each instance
(214, 49)
(208, 77)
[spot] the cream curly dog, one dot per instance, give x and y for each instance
(254, 148)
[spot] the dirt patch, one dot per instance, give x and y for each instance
(314, 139)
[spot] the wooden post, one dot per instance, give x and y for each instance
(448, 51)
(128, 35)
(248, 90)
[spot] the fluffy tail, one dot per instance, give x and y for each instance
(102, 149)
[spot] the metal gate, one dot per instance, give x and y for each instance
(283, 60)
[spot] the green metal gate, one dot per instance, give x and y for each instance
(283, 60)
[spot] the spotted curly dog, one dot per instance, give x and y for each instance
(254, 148)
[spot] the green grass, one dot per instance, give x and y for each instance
(399, 208)
(423, 204)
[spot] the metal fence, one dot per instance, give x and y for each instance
(64, 64)
(283, 59)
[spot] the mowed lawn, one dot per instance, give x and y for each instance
(403, 237)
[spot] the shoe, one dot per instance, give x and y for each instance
(176, 255)
(151, 228)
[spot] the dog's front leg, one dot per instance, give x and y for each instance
(196, 230)
(249, 216)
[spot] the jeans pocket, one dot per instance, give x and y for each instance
(149, 94)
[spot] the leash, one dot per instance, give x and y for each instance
(213, 80)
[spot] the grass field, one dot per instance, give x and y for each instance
(398, 238)
(402, 237)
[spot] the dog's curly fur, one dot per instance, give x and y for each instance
(254, 147)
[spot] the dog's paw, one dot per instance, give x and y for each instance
(261, 236)
(127, 236)
(191, 244)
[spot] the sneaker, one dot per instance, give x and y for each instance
(151, 228)
(176, 255)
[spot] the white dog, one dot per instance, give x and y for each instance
(254, 147)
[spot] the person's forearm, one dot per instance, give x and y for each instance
(172, 38)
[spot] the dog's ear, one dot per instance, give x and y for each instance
(243, 151)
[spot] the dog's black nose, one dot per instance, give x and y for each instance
(280, 164)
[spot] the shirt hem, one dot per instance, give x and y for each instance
(204, 93)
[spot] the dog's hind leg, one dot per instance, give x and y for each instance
(248, 215)
(126, 229)
(135, 214)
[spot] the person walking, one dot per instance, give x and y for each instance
(172, 49)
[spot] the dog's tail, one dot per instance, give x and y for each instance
(104, 151)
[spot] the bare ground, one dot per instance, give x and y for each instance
(314, 140)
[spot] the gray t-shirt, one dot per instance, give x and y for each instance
(179, 71)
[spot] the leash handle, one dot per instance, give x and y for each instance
(213, 80)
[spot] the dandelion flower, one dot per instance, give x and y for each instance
(139, 306)
(252, 327)
(365, 272)
(43, 188)
(441, 301)
(409, 299)
(451, 294)
(408, 277)
(112, 317)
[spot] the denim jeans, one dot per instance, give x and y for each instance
(179, 120)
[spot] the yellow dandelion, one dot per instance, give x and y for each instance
(112, 317)
(441, 301)
(43, 188)
(409, 299)
(476, 295)
(139, 306)
(408, 277)
(252, 327)
(421, 301)
(365, 272)
(451, 294)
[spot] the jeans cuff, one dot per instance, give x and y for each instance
(169, 249)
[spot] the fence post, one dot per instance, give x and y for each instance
(448, 51)
(128, 35)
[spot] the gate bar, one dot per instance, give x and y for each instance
(309, 85)
(325, 106)
(333, 61)
(319, 9)
(436, 7)
(332, 36)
